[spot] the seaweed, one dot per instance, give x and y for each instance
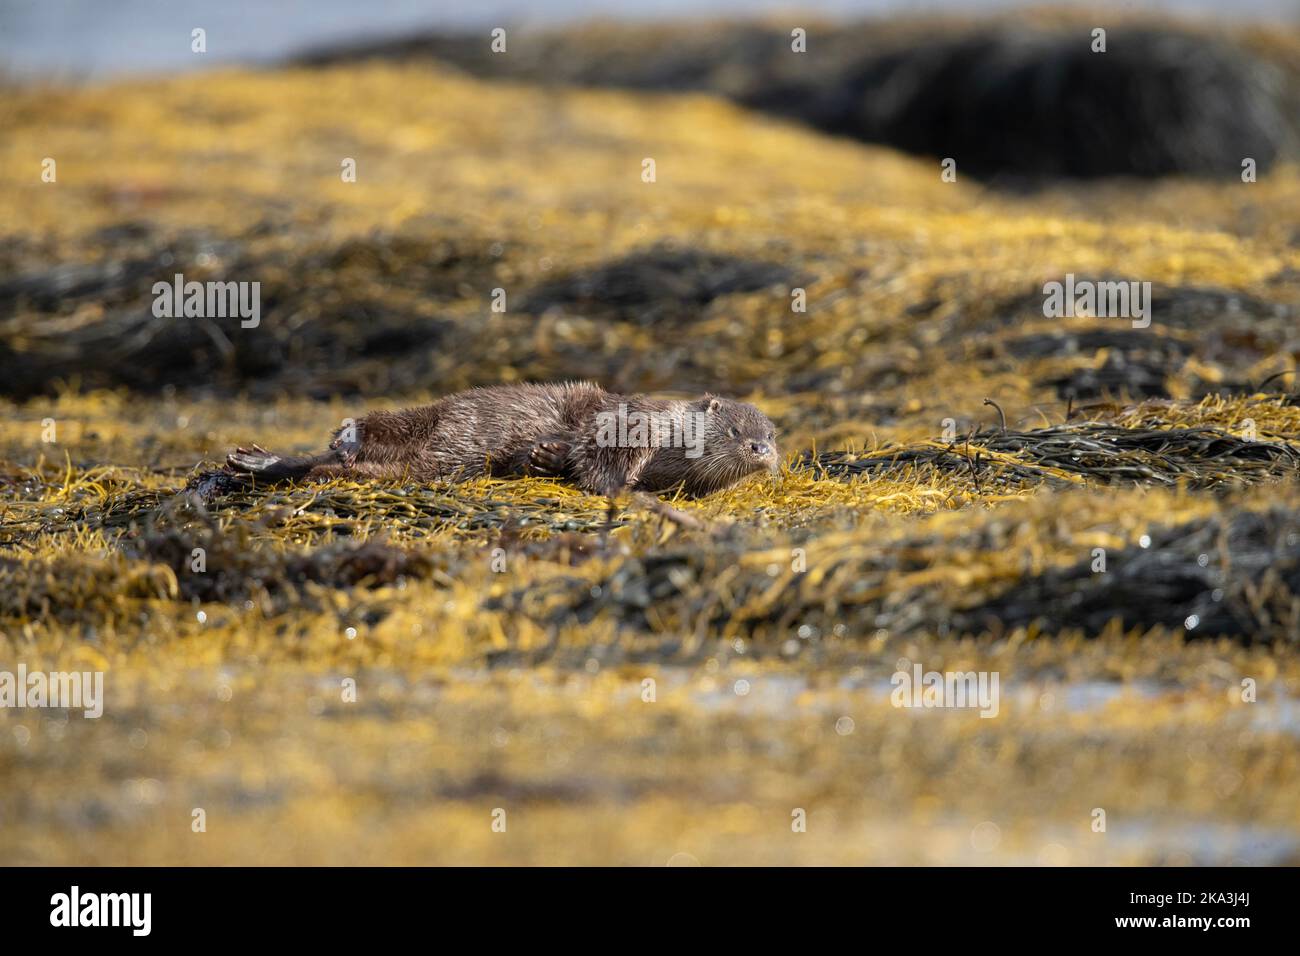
(1106, 454)
(393, 336)
(656, 285)
(1236, 575)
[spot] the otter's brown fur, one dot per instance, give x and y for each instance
(560, 430)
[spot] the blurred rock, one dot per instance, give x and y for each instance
(1009, 102)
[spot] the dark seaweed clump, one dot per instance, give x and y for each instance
(1232, 575)
(654, 285)
(363, 323)
(1097, 452)
(236, 568)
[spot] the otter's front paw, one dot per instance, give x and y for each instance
(548, 458)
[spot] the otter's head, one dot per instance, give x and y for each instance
(738, 440)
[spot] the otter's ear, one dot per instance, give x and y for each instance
(711, 403)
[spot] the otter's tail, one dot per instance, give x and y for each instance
(261, 463)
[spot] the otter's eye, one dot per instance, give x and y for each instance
(732, 433)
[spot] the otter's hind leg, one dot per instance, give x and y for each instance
(608, 470)
(261, 463)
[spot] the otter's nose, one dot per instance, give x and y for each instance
(760, 447)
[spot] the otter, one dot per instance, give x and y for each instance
(603, 442)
